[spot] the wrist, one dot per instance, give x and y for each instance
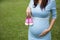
(49, 29)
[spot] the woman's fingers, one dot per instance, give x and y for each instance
(44, 32)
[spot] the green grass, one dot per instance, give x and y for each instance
(12, 17)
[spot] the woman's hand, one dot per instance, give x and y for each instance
(44, 32)
(47, 30)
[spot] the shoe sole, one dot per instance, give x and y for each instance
(29, 24)
(26, 23)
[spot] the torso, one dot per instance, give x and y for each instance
(38, 12)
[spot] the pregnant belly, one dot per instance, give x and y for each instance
(39, 25)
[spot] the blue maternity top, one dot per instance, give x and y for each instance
(41, 20)
(51, 7)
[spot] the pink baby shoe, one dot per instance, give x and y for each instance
(29, 21)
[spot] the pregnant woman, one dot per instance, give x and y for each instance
(41, 10)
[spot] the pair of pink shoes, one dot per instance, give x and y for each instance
(28, 21)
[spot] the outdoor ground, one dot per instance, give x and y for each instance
(12, 18)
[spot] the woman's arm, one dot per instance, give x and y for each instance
(51, 24)
(54, 15)
(28, 10)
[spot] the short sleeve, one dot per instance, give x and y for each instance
(53, 9)
(30, 4)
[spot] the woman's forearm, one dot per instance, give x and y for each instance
(51, 24)
(28, 12)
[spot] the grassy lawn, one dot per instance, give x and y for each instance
(12, 17)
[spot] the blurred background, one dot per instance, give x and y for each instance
(12, 19)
